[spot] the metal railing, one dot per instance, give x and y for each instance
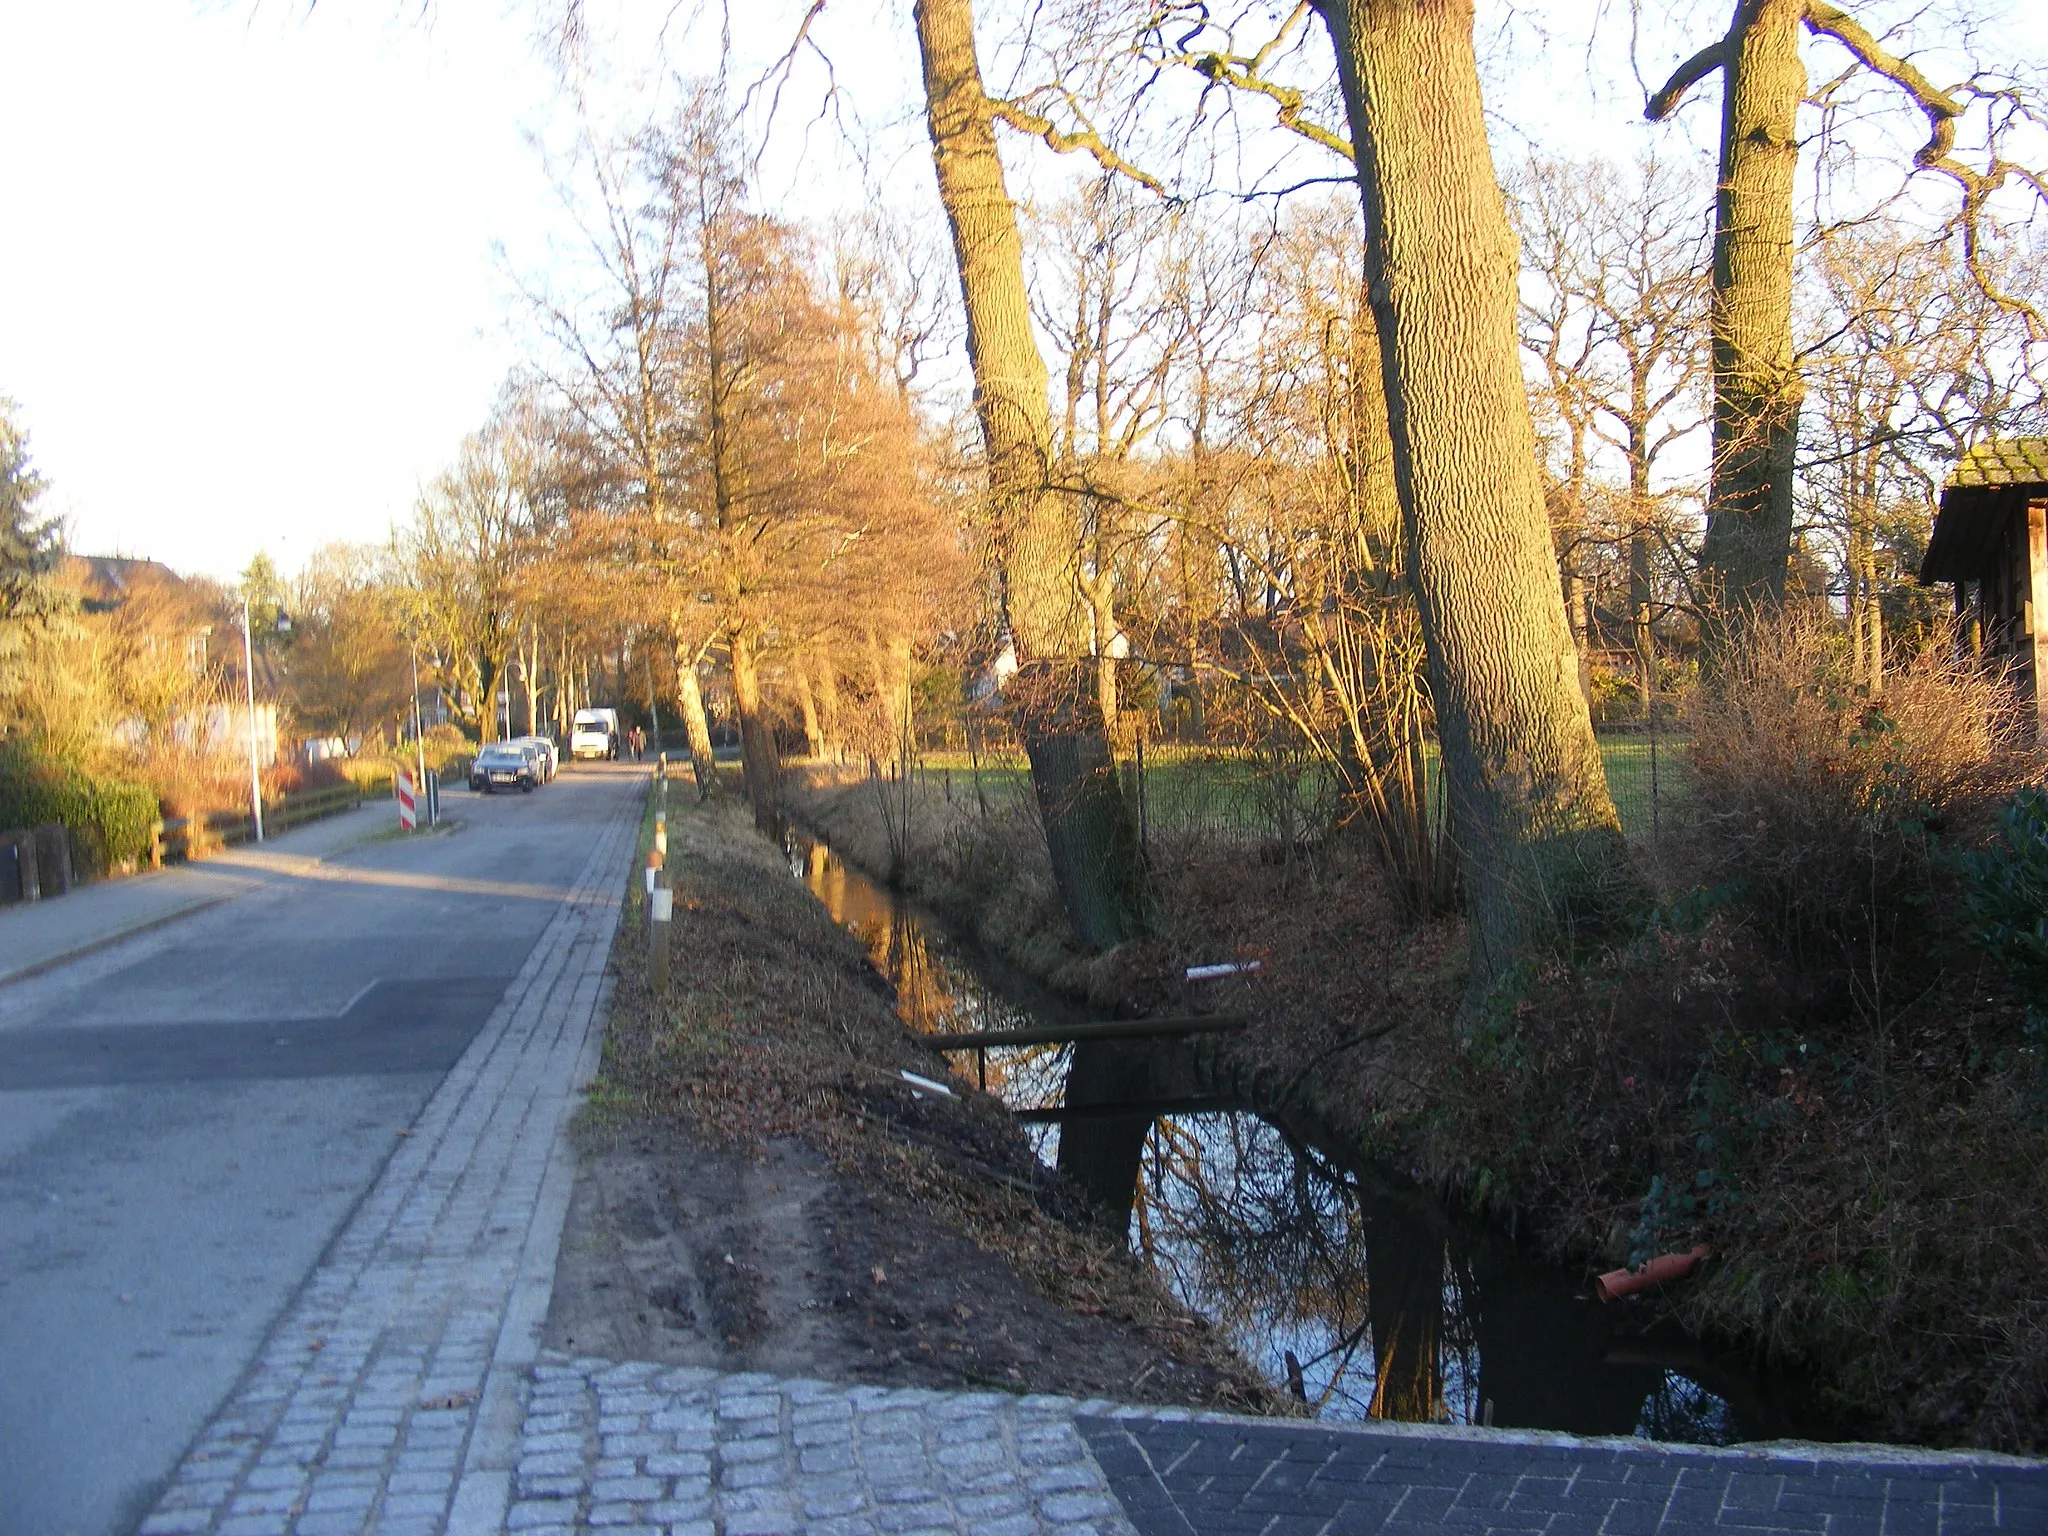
(182, 838)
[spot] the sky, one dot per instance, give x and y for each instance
(262, 262)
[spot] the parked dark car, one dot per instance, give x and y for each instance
(504, 765)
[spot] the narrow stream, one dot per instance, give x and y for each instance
(1345, 1283)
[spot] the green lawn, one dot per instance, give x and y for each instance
(1206, 790)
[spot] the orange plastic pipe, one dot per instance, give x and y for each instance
(1662, 1270)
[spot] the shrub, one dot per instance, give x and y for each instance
(108, 821)
(1817, 804)
(2005, 890)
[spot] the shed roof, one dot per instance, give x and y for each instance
(2001, 461)
(1989, 481)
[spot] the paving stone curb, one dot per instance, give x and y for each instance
(360, 1410)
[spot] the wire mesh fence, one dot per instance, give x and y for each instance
(1184, 795)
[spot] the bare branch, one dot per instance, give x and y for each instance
(1941, 109)
(1085, 141)
(1689, 74)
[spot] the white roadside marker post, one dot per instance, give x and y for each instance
(659, 913)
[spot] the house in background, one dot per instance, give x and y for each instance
(1991, 540)
(163, 609)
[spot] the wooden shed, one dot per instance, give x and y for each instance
(1991, 540)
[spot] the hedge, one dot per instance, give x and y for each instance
(109, 820)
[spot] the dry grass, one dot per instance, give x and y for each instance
(1818, 807)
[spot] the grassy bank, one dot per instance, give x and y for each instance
(1864, 1152)
(941, 1253)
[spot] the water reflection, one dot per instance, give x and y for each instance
(1345, 1284)
(940, 988)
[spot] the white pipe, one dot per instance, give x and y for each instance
(1212, 972)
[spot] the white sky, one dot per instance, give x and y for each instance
(254, 272)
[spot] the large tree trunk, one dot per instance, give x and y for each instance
(828, 701)
(529, 663)
(760, 766)
(702, 764)
(1101, 594)
(807, 706)
(1090, 837)
(1640, 592)
(888, 699)
(1756, 376)
(1089, 831)
(1535, 823)
(1757, 388)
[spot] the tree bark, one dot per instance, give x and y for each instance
(807, 706)
(1101, 592)
(1089, 832)
(1757, 389)
(828, 701)
(1640, 591)
(702, 764)
(1756, 378)
(888, 699)
(1534, 821)
(760, 767)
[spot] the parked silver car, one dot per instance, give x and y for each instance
(550, 761)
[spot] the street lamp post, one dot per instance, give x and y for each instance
(255, 768)
(419, 724)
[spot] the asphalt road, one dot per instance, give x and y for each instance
(187, 1119)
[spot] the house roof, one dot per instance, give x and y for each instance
(107, 581)
(1989, 482)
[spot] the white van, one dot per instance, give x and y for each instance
(595, 733)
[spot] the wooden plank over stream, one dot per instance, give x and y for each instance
(1061, 1034)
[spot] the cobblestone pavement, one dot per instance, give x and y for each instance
(646, 1449)
(404, 1393)
(387, 1399)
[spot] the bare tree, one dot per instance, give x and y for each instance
(460, 557)
(1614, 312)
(1529, 795)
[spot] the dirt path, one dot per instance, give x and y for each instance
(758, 1190)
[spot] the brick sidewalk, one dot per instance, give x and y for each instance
(388, 1398)
(1194, 1478)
